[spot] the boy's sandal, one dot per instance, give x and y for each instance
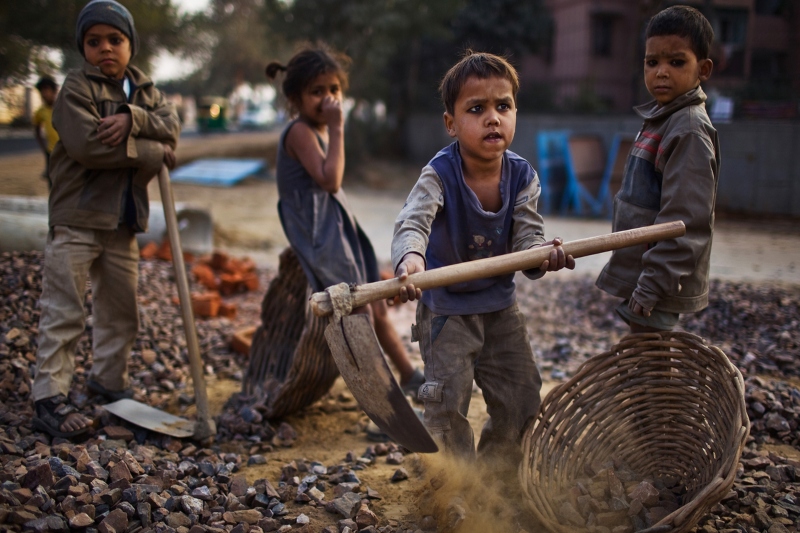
(110, 395)
(52, 412)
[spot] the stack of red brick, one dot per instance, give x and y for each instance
(162, 251)
(219, 274)
(222, 275)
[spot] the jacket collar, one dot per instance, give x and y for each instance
(138, 78)
(652, 111)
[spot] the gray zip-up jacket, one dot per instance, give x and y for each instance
(92, 180)
(671, 174)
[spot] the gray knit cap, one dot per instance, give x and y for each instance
(106, 12)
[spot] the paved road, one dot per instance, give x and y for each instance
(756, 250)
(246, 220)
(23, 142)
(21, 145)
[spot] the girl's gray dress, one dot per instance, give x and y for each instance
(324, 234)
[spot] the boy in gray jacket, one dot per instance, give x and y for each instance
(116, 131)
(671, 174)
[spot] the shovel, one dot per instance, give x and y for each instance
(142, 414)
(358, 354)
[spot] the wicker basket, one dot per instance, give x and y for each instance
(665, 404)
(291, 365)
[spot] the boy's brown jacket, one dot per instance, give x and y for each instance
(671, 174)
(90, 178)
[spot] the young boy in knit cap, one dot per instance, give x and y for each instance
(116, 131)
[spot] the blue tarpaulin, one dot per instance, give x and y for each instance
(221, 172)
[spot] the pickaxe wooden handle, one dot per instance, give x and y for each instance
(500, 265)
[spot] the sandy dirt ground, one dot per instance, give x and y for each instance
(246, 223)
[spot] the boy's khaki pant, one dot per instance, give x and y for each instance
(494, 349)
(111, 259)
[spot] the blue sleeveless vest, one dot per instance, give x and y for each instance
(463, 231)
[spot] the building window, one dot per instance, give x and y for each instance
(602, 33)
(770, 7)
(732, 26)
(731, 32)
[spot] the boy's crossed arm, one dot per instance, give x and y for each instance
(115, 129)
(97, 143)
(161, 124)
(132, 121)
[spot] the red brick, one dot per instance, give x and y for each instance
(227, 310)
(149, 251)
(205, 305)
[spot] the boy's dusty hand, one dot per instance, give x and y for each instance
(412, 263)
(638, 309)
(558, 259)
(114, 129)
(169, 157)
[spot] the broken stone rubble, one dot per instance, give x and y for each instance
(756, 326)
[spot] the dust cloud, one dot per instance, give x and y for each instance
(471, 496)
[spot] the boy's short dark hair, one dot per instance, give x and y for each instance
(686, 22)
(46, 82)
(481, 65)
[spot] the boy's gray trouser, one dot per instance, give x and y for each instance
(494, 349)
(111, 259)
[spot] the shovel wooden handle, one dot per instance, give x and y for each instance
(205, 426)
(500, 265)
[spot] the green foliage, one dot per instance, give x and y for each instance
(373, 33)
(29, 27)
(402, 48)
(237, 40)
(587, 100)
(505, 27)
(536, 97)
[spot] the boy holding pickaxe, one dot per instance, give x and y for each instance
(475, 199)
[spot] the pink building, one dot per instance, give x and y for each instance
(596, 53)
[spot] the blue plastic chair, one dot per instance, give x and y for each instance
(615, 167)
(593, 176)
(585, 163)
(551, 146)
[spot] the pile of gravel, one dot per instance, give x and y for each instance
(127, 479)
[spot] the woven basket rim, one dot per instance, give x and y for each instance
(548, 428)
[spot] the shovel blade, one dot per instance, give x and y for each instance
(151, 418)
(360, 360)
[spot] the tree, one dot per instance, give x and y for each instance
(506, 27)
(402, 48)
(240, 43)
(28, 28)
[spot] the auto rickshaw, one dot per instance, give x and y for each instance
(211, 114)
